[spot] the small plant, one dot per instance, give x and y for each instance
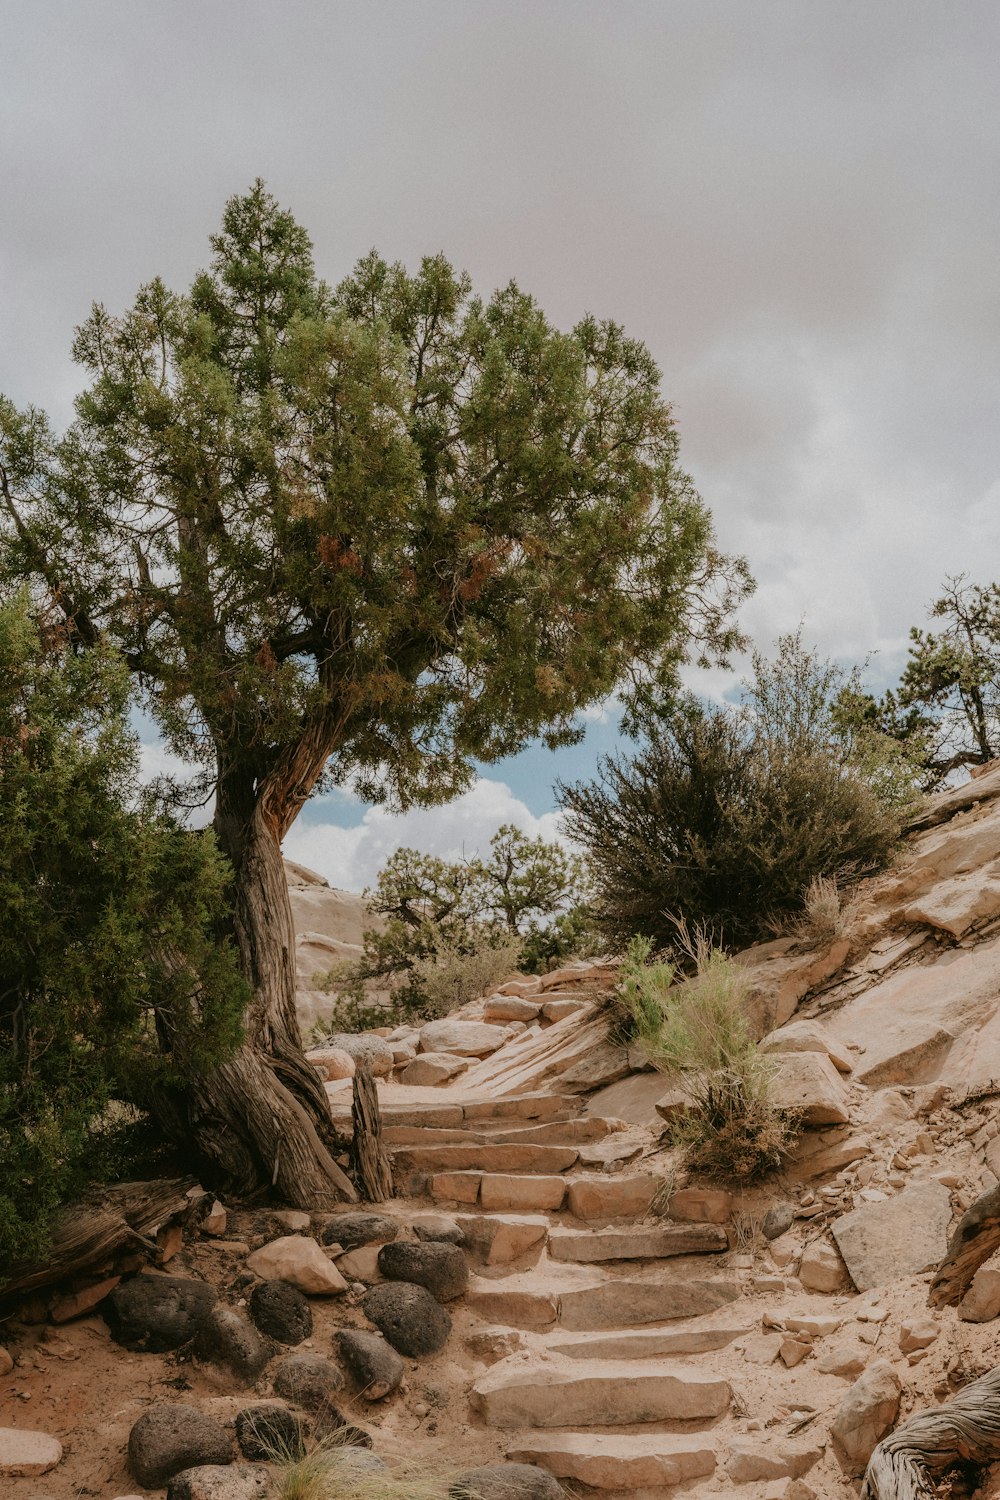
(450, 977)
(334, 1470)
(826, 916)
(696, 1030)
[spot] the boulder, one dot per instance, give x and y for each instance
(441, 1268)
(281, 1311)
(748, 1462)
(171, 1436)
(308, 1380)
(366, 1050)
(332, 1062)
(297, 1259)
(866, 1414)
(981, 1303)
(227, 1338)
(439, 1227)
(411, 1319)
(808, 1084)
(215, 1482)
(431, 1068)
(354, 1229)
(506, 1482)
(821, 1268)
(561, 1007)
(157, 1313)
(902, 1236)
(510, 1008)
(373, 1364)
(847, 1360)
(466, 1038)
(26, 1454)
(268, 1431)
(807, 1036)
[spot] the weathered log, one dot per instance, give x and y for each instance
(967, 1430)
(88, 1234)
(976, 1236)
(371, 1164)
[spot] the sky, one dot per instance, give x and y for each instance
(795, 203)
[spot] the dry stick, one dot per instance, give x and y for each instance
(967, 1430)
(370, 1162)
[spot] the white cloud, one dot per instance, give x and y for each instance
(352, 857)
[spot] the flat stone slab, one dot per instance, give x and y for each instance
(512, 1307)
(547, 1159)
(881, 1242)
(628, 1304)
(550, 1393)
(602, 1197)
(637, 1244)
(502, 1238)
(644, 1343)
(607, 1461)
(26, 1454)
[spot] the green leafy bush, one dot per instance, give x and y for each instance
(114, 980)
(726, 814)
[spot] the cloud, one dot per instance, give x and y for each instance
(351, 858)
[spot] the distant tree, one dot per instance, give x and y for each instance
(380, 532)
(523, 879)
(114, 985)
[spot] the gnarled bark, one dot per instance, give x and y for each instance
(967, 1430)
(976, 1236)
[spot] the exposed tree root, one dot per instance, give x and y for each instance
(967, 1430)
(976, 1236)
(371, 1164)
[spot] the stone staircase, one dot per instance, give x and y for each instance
(610, 1324)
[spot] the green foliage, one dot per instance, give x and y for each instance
(726, 814)
(946, 710)
(114, 981)
(696, 1031)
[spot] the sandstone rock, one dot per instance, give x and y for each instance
(627, 1304)
(466, 1038)
(847, 1360)
(549, 1393)
(672, 1104)
(361, 1265)
(215, 1221)
(332, 1062)
(409, 1317)
(441, 1268)
(227, 1338)
(157, 1313)
(611, 1197)
(281, 1311)
(701, 1205)
(403, 1052)
(510, 1008)
(308, 1380)
(77, 1303)
(559, 1008)
(626, 1464)
(374, 1365)
(506, 1482)
(505, 1191)
(463, 1187)
(215, 1482)
(354, 1229)
(292, 1219)
(918, 1333)
(438, 1227)
(171, 1436)
(6, 1363)
(809, 1084)
(881, 1242)
(748, 1462)
(502, 1238)
(430, 1068)
(600, 1066)
(821, 1268)
(366, 1050)
(590, 1245)
(522, 984)
(26, 1454)
(299, 1261)
(762, 1349)
(981, 1303)
(268, 1429)
(498, 1302)
(808, 1036)
(866, 1414)
(794, 1349)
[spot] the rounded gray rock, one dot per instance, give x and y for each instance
(777, 1221)
(172, 1436)
(229, 1339)
(309, 1380)
(438, 1228)
(331, 1422)
(369, 1051)
(373, 1364)
(281, 1311)
(355, 1230)
(213, 1482)
(440, 1267)
(411, 1319)
(154, 1314)
(269, 1431)
(507, 1482)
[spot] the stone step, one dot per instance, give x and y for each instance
(528, 1159)
(499, 1191)
(597, 1198)
(613, 1461)
(645, 1343)
(502, 1238)
(580, 1132)
(589, 1245)
(542, 1299)
(447, 1114)
(556, 1393)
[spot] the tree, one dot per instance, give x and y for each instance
(114, 983)
(523, 879)
(373, 532)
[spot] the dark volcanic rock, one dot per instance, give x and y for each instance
(281, 1311)
(309, 1380)
(777, 1220)
(374, 1365)
(171, 1436)
(157, 1313)
(354, 1230)
(211, 1482)
(268, 1431)
(227, 1338)
(331, 1422)
(412, 1321)
(441, 1268)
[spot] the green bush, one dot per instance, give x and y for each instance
(114, 982)
(726, 815)
(695, 1030)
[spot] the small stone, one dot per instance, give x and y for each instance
(361, 1265)
(299, 1261)
(793, 1351)
(821, 1268)
(917, 1333)
(6, 1363)
(26, 1454)
(846, 1360)
(507, 1482)
(409, 1317)
(292, 1219)
(777, 1221)
(308, 1380)
(441, 1268)
(438, 1227)
(281, 1311)
(217, 1482)
(866, 1414)
(763, 1349)
(268, 1431)
(215, 1221)
(171, 1436)
(981, 1303)
(82, 1301)
(355, 1229)
(170, 1239)
(373, 1364)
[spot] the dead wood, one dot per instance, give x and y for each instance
(967, 1430)
(369, 1160)
(976, 1236)
(90, 1234)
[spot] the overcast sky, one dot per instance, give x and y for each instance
(796, 203)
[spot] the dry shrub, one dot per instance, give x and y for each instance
(331, 1470)
(826, 916)
(451, 978)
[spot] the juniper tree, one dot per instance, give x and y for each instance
(377, 532)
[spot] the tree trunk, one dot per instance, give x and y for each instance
(262, 1118)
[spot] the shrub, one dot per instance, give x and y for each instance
(726, 815)
(696, 1031)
